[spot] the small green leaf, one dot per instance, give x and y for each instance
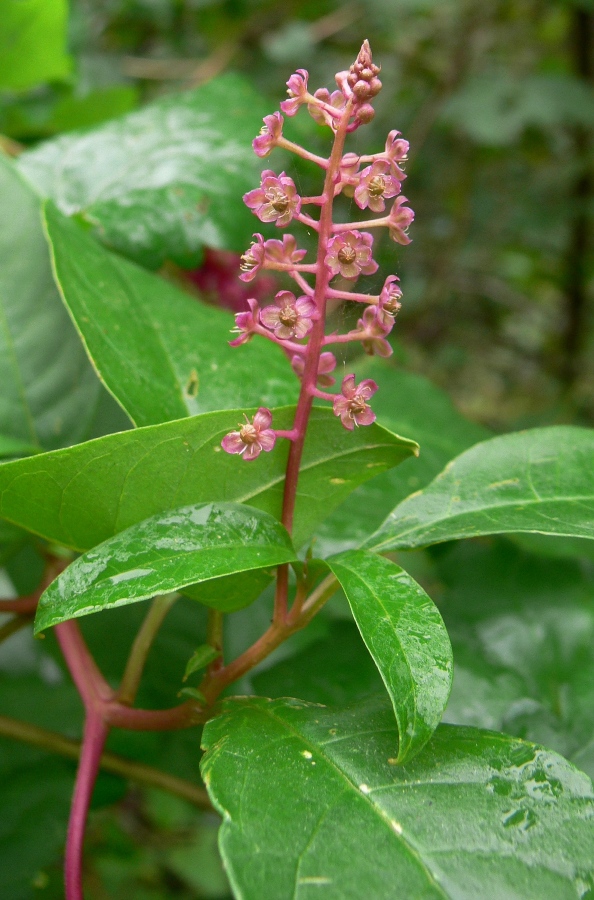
(192, 162)
(406, 637)
(163, 554)
(540, 480)
(192, 692)
(32, 42)
(49, 389)
(83, 495)
(161, 353)
(313, 804)
(200, 659)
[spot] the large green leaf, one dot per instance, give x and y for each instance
(83, 495)
(32, 42)
(166, 553)
(407, 404)
(48, 388)
(161, 353)
(405, 634)
(160, 182)
(313, 804)
(540, 480)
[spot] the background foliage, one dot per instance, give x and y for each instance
(496, 100)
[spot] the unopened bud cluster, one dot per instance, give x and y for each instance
(295, 321)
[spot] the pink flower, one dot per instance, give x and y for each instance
(351, 404)
(276, 200)
(399, 220)
(252, 437)
(253, 259)
(284, 252)
(297, 91)
(245, 324)
(389, 301)
(375, 185)
(335, 99)
(289, 317)
(270, 254)
(269, 135)
(350, 254)
(326, 364)
(396, 151)
(374, 342)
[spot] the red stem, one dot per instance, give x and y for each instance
(95, 735)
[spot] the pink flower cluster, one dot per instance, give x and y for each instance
(295, 321)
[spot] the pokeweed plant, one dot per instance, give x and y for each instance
(376, 799)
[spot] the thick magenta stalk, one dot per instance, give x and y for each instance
(312, 356)
(95, 735)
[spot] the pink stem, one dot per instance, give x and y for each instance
(85, 673)
(102, 712)
(346, 338)
(305, 287)
(95, 735)
(332, 294)
(356, 226)
(301, 151)
(324, 395)
(308, 221)
(290, 346)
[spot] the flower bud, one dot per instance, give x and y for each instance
(365, 114)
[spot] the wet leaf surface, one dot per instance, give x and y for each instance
(162, 353)
(407, 639)
(162, 181)
(313, 804)
(540, 480)
(81, 496)
(163, 554)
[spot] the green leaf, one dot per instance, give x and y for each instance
(161, 353)
(163, 554)
(200, 659)
(313, 802)
(540, 480)
(32, 42)
(83, 495)
(49, 389)
(406, 404)
(192, 162)
(405, 634)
